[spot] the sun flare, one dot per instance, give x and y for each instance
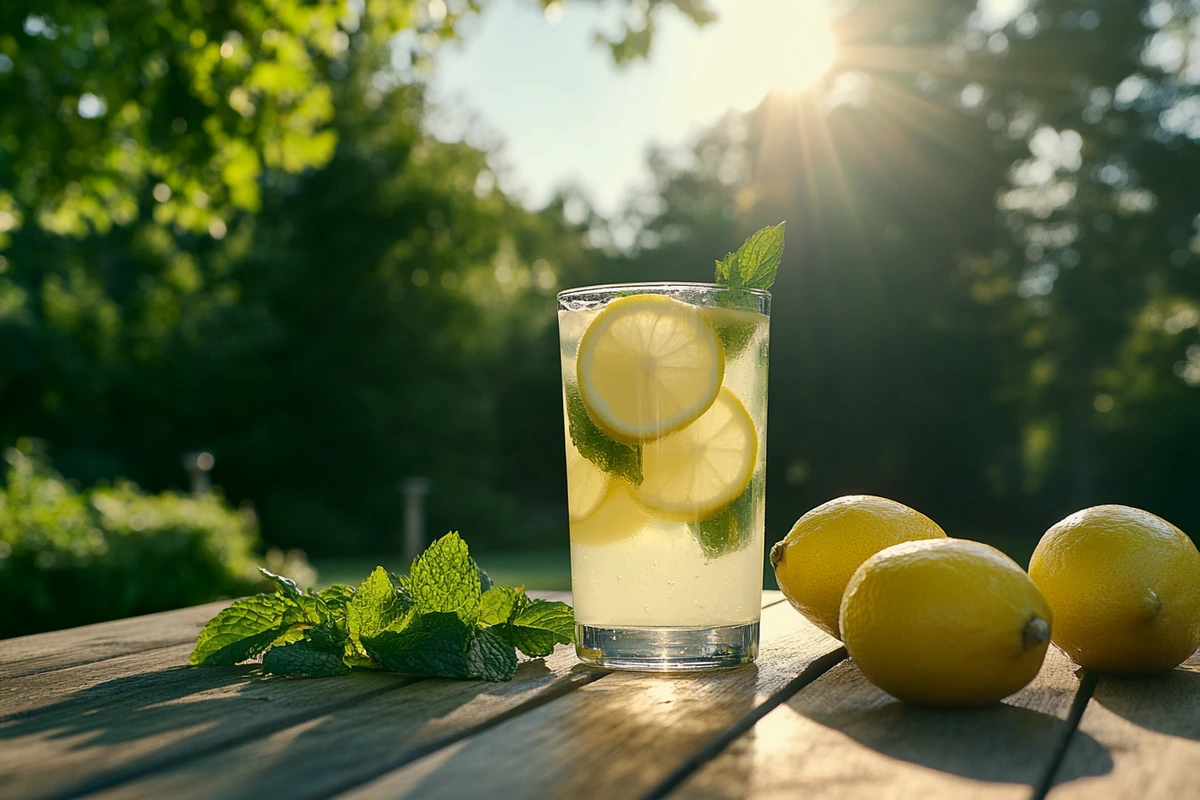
(776, 45)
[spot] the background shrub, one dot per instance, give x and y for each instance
(70, 557)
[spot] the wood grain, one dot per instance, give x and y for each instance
(1150, 731)
(616, 737)
(144, 720)
(85, 727)
(345, 747)
(841, 737)
(348, 747)
(28, 655)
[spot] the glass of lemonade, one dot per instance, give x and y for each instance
(665, 400)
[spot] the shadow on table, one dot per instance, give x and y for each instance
(171, 715)
(631, 731)
(1163, 703)
(1001, 743)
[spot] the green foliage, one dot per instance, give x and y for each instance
(70, 557)
(454, 624)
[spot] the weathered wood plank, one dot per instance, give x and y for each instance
(138, 722)
(351, 746)
(1148, 730)
(842, 737)
(28, 655)
(347, 746)
(93, 684)
(97, 724)
(616, 737)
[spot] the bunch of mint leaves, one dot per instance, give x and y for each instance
(445, 619)
(753, 266)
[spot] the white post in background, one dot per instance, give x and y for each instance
(198, 466)
(414, 490)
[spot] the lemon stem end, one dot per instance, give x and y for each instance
(777, 554)
(1036, 632)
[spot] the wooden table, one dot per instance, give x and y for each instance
(111, 711)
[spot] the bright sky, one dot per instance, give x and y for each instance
(562, 112)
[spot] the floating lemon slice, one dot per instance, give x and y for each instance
(648, 365)
(617, 517)
(694, 473)
(586, 485)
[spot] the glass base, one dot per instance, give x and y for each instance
(667, 649)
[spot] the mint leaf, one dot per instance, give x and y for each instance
(490, 656)
(337, 597)
(485, 580)
(433, 645)
(498, 604)
(243, 630)
(286, 586)
(540, 625)
(728, 531)
(597, 446)
(317, 655)
(444, 578)
(376, 606)
(755, 263)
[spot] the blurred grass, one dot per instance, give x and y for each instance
(534, 569)
(551, 569)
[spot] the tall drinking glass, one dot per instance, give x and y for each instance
(665, 402)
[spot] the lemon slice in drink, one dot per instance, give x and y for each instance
(694, 473)
(617, 517)
(586, 485)
(648, 365)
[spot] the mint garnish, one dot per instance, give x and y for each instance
(539, 625)
(444, 578)
(375, 607)
(433, 645)
(755, 263)
(728, 531)
(490, 656)
(596, 446)
(498, 604)
(318, 654)
(445, 619)
(241, 631)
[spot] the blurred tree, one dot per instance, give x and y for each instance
(990, 307)
(1103, 268)
(225, 228)
(190, 102)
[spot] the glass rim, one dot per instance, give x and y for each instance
(567, 294)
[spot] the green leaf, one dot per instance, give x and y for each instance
(285, 585)
(444, 578)
(317, 655)
(540, 625)
(756, 262)
(337, 598)
(376, 606)
(728, 531)
(485, 580)
(490, 656)
(598, 447)
(433, 645)
(243, 630)
(498, 604)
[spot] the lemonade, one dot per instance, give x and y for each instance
(665, 401)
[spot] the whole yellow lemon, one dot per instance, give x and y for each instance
(945, 622)
(1125, 589)
(815, 560)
